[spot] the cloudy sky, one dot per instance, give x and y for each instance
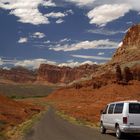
(63, 32)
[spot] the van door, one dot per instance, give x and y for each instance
(134, 114)
(105, 116)
(110, 116)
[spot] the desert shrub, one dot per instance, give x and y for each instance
(78, 86)
(136, 72)
(127, 75)
(98, 84)
(2, 123)
(118, 73)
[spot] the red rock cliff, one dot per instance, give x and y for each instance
(18, 74)
(55, 74)
(130, 48)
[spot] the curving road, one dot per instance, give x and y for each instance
(52, 127)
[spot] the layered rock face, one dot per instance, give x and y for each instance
(48, 73)
(18, 74)
(130, 47)
(55, 74)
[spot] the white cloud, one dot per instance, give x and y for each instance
(23, 40)
(27, 10)
(6, 68)
(1, 62)
(59, 15)
(34, 63)
(135, 4)
(71, 64)
(47, 42)
(129, 22)
(88, 62)
(38, 35)
(48, 3)
(91, 57)
(106, 13)
(59, 21)
(56, 15)
(81, 2)
(101, 53)
(70, 11)
(76, 64)
(100, 44)
(103, 31)
(65, 40)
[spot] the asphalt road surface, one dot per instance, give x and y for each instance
(52, 127)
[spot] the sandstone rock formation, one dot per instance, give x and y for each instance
(55, 74)
(18, 74)
(130, 47)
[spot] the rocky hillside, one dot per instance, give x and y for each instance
(48, 73)
(130, 47)
(18, 74)
(14, 112)
(85, 103)
(55, 74)
(127, 56)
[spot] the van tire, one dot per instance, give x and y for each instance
(118, 132)
(102, 129)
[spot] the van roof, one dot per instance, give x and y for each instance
(128, 101)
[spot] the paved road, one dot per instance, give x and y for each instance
(52, 127)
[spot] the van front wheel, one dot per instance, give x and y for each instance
(102, 129)
(118, 132)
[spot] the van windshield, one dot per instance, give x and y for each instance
(134, 108)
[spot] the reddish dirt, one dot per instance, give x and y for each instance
(85, 103)
(13, 112)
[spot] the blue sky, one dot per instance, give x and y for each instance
(68, 32)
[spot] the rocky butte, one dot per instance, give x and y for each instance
(130, 47)
(56, 74)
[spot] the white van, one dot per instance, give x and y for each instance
(121, 117)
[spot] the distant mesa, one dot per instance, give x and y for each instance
(18, 75)
(55, 74)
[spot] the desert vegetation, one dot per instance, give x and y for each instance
(18, 91)
(127, 74)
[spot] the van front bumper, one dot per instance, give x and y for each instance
(130, 129)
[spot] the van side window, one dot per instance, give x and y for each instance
(134, 108)
(111, 107)
(119, 108)
(105, 110)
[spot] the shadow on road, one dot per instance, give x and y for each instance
(127, 137)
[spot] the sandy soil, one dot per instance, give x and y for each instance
(86, 103)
